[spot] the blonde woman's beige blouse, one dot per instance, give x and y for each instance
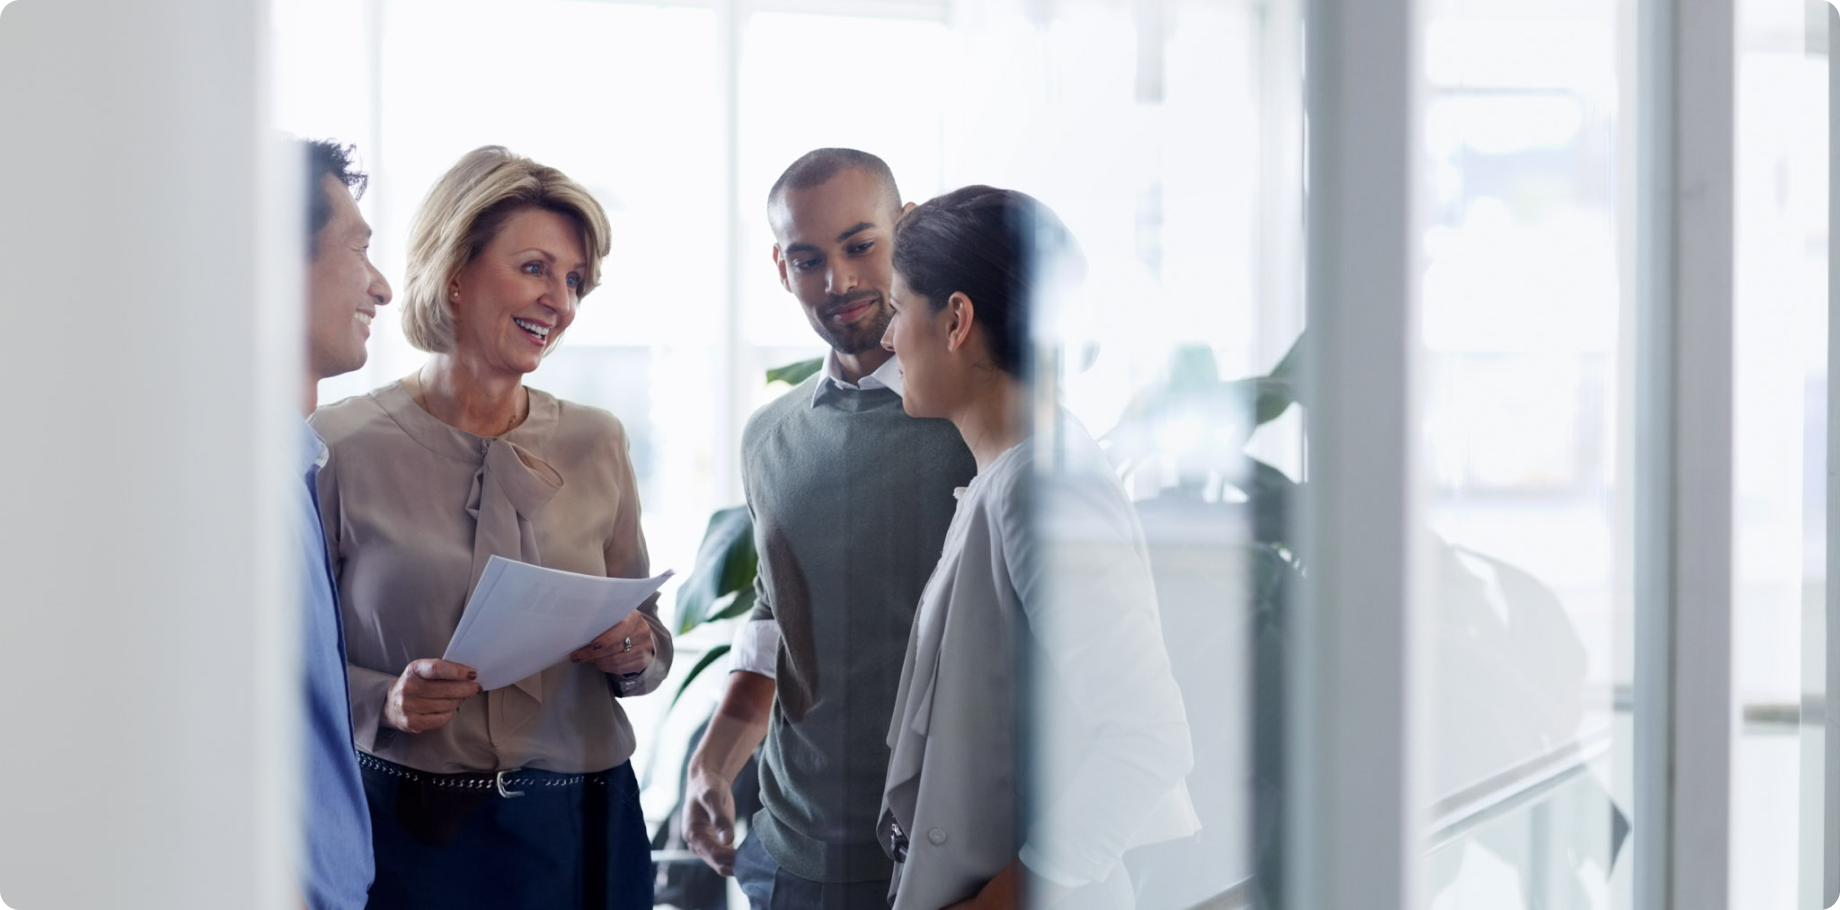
(413, 508)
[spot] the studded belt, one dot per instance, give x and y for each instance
(509, 784)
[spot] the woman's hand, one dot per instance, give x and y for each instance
(427, 694)
(609, 652)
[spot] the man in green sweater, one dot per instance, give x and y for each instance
(851, 499)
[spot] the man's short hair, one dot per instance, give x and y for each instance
(326, 158)
(816, 167)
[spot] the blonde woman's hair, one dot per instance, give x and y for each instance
(464, 211)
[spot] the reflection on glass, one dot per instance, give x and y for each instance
(1524, 413)
(1225, 567)
(1143, 128)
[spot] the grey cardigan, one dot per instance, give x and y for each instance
(1049, 573)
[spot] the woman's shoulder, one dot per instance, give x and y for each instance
(351, 419)
(1083, 497)
(580, 425)
(1082, 478)
(1003, 491)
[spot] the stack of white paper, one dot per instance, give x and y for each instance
(522, 618)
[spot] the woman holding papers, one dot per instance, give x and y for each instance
(522, 796)
(1044, 571)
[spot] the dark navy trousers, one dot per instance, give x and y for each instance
(569, 841)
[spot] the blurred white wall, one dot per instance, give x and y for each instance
(146, 687)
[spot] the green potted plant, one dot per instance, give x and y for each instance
(721, 582)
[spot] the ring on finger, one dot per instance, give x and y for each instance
(628, 646)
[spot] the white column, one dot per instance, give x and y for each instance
(1280, 213)
(1821, 669)
(146, 635)
(1816, 862)
(1354, 791)
(1684, 712)
(734, 395)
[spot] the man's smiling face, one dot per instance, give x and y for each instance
(344, 289)
(834, 254)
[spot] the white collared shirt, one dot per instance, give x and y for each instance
(756, 645)
(887, 376)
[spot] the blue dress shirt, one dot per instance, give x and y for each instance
(338, 867)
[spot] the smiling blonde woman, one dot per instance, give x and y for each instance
(523, 796)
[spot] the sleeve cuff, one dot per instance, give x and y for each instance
(756, 648)
(1039, 865)
(654, 675)
(369, 690)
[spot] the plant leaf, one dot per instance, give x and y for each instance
(741, 605)
(1273, 399)
(1192, 369)
(1285, 376)
(795, 373)
(714, 655)
(1261, 398)
(1287, 365)
(725, 563)
(741, 565)
(1274, 578)
(1271, 495)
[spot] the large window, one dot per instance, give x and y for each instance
(679, 118)
(1169, 136)
(1510, 589)
(1526, 408)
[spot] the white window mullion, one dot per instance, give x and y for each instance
(735, 382)
(1353, 791)
(1826, 871)
(1684, 713)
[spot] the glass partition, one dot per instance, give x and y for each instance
(1169, 136)
(1526, 395)
(1779, 439)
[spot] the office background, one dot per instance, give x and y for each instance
(1527, 180)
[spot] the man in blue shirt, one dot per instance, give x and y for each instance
(343, 293)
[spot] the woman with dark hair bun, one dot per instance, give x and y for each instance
(1044, 571)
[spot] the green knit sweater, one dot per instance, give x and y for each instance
(851, 499)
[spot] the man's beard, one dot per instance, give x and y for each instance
(866, 334)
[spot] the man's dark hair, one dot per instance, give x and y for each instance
(998, 247)
(326, 158)
(816, 167)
